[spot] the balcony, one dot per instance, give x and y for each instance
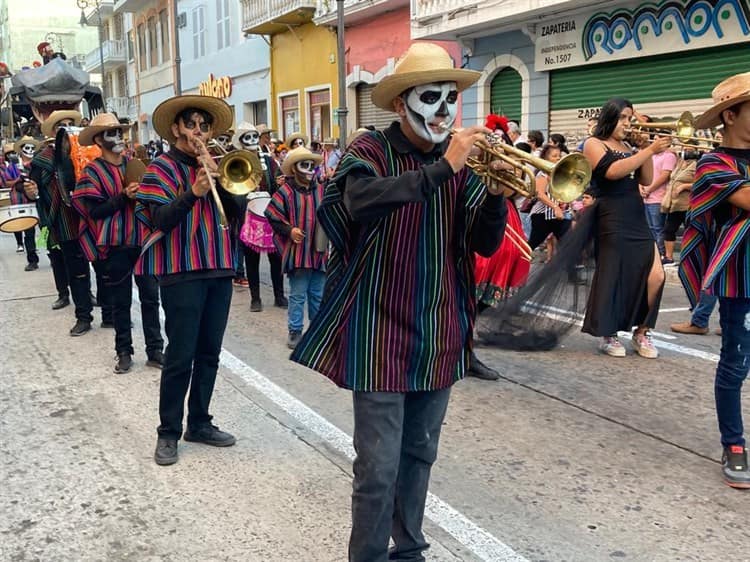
(132, 6)
(118, 105)
(355, 10)
(105, 10)
(453, 19)
(267, 17)
(113, 52)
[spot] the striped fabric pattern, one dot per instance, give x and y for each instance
(198, 242)
(99, 182)
(296, 207)
(9, 172)
(399, 306)
(53, 213)
(716, 247)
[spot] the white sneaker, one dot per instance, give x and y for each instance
(644, 347)
(612, 347)
(20, 250)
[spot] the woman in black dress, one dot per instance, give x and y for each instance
(628, 280)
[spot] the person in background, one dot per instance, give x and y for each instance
(535, 140)
(663, 164)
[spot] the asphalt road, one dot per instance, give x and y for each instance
(572, 455)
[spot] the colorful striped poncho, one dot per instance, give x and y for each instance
(61, 220)
(715, 253)
(99, 182)
(399, 307)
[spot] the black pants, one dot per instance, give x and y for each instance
(79, 278)
(117, 274)
(541, 228)
(196, 314)
(57, 261)
(27, 238)
(396, 439)
(252, 267)
(672, 225)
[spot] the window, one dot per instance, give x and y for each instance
(164, 27)
(290, 114)
(142, 53)
(153, 44)
(119, 27)
(222, 24)
(199, 32)
(256, 112)
(319, 103)
(131, 46)
(122, 82)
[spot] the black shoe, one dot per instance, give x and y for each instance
(734, 467)
(210, 435)
(124, 362)
(61, 303)
(281, 302)
(256, 305)
(166, 451)
(80, 328)
(31, 266)
(480, 370)
(156, 359)
(293, 339)
(107, 324)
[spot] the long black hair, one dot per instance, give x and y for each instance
(609, 116)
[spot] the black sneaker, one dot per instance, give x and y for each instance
(256, 305)
(156, 359)
(734, 467)
(281, 302)
(210, 435)
(61, 303)
(293, 339)
(80, 328)
(107, 324)
(166, 451)
(124, 362)
(31, 266)
(480, 370)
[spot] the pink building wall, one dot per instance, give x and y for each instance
(371, 43)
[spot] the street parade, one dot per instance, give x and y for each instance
(374, 280)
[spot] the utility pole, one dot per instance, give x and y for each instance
(177, 59)
(342, 110)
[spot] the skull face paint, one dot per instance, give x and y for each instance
(28, 150)
(304, 171)
(250, 140)
(296, 143)
(223, 140)
(429, 105)
(113, 141)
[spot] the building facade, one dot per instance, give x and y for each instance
(560, 61)
(219, 60)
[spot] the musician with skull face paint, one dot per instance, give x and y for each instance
(25, 148)
(404, 217)
(248, 137)
(111, 238)
(292, 215)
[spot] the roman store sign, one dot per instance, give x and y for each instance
(640, 30)
(216, 87)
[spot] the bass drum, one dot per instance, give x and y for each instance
(70, 160)
(257, 202)
(17, 218)
(4, 197)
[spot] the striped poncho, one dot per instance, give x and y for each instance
(399, 307)
(715, 246)
(61, 220)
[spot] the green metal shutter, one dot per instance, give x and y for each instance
(505, 94)
(677, 76)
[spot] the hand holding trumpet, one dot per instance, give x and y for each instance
(462, 143)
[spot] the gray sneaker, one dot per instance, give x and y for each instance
(734, 467)
(293, 339)
(166, 451)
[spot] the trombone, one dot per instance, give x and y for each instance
(567, 179)
(240, 171)
(683, 130)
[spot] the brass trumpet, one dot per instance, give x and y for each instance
(567, 179)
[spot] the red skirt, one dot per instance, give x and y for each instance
(502, 274)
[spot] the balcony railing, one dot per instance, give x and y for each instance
(106, 7)
(421, 9)
(266, 17)
(113, 52)
(118, 105)
(133, 6)
(355, 10)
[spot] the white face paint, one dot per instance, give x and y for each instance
(429, 105)
(304, 171)
(223, 140)
(114, 141)
(296, 143)
(250, 140)
(27, 150)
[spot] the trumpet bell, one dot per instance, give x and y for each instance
(569, 177)
(240, 172)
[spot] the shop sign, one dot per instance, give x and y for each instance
(216, 87)
(640, 30)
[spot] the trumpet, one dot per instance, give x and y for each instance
(568, 178)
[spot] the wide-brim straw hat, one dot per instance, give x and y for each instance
(242, 128)
(99, 124)
(355, 134)
(22, 141)
(48, 127)
(423, 63)
(733, 90)
(294, 136)
(299, 154)
(165, 113)
(263, 128)
(8, 147)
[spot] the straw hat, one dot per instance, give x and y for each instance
(242, 128)
(356, 134)
(8, 147)
(423, 63)
(165, 113)
(733, 90)
(298, 155)
(99, 124)
(263, 128)
(48, 127)
(294, 136)
(25, 140)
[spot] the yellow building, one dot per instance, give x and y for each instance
(304, 88)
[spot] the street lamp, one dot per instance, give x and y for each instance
(84, 5)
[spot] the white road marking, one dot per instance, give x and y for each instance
(682, 309)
